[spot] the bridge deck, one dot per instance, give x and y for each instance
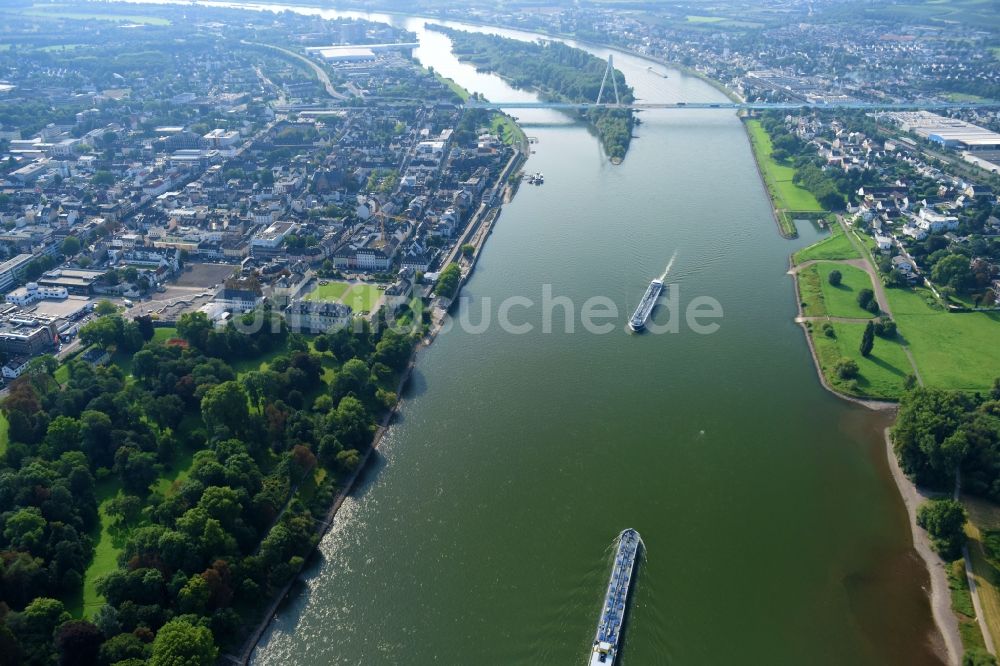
(754, 106)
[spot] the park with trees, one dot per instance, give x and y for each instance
(149, 515)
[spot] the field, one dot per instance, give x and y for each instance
(361, 296)
(822, 299)
(508, 130)
(961, 604)
(964, 97)
(778, 177)
(952, 350)
(835, 246)
(705, 19)
(842, 300)
(56, 11)
(455, 88)
(882, 375)
(165, 333)
(107, 546)
(984, 515)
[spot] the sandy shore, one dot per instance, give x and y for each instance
(940, 595)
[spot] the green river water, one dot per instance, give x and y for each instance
(482, 533)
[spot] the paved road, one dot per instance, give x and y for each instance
(320, 73)
(867, 264)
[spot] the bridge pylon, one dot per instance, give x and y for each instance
(609, 70)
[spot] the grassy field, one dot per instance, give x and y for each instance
(58, 12)
(952, 350)
(455, 88)
(4, 437)
(508, 130)
(107, 546)
(961, 604)
(964, 97)
(778, 177)
(842, 300)
(164, 334)
(835, 246)
(882, 375)
(984, 515)
(331, 291)
(821, 299)
(180, 467)
(361, 296)
(705, 19)
(811, 293)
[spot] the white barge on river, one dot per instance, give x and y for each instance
(646, 305)
(608, 638)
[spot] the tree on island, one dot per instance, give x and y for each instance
(868, 340)
(944, 520)
(835, 278)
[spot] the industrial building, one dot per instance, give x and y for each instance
(27, 336)
(12, 270)
(75, 280)
(947, 132)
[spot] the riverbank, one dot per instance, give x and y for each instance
(481, 225)
(556, 72)
(939, 593)
(788, 199)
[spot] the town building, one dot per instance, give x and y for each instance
(33, 292)
(317, 316)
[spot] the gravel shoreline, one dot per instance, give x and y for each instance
(940, 595)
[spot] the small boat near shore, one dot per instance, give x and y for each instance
(607, 641)
(536, 179)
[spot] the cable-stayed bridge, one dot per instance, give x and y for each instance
(923, 105)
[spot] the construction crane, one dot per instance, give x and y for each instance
(382, 215)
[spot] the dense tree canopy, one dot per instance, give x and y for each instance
(939, 432)
(559, 71)
(202, 553)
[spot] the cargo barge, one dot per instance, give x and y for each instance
(609, 626)
(638, 320)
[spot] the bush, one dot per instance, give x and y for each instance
(449, 281)
(865, 298)
(835, 278)
(885, 328)
(944, 521)
(828, 330)
(846, 368)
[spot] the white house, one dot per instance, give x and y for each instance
(902, 264)
(32, 292)
(240, 295)
(884, 243)
(914, 232)
(15, 367)
(934, 222)
(317, 316)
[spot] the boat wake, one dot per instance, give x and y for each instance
(670, 265)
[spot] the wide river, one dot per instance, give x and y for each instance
(482, 534)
